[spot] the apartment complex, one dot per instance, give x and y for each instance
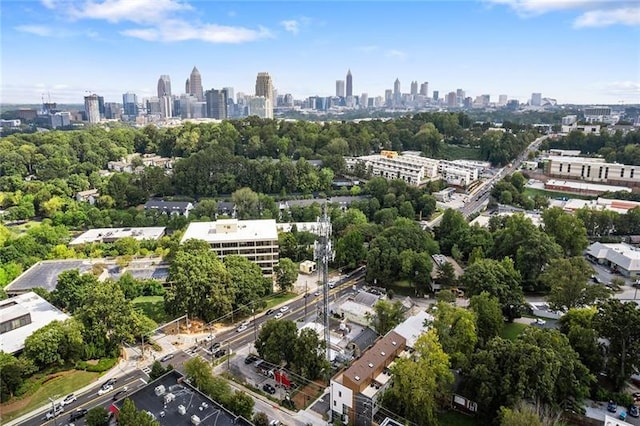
(416, 170)
(257, 240)
(592, 170)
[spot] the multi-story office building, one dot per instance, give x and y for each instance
(259, 106)
(458, 174)
(536, 99)
(340, 88)
(397, 93)
(217, 104)
(130, 105)
(424, 89)
(193, 85)
(413, 169)
(592, 170)
(364, 101)
(502, 100)
(436, 95)
(264, 88)
(112, 110)
(92, 108)
(349, 83)
(414, 88)
(256, 240)
(452, 99)
(164, 86)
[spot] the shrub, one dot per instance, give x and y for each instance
(104, 364)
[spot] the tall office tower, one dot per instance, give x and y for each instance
(436, 95)
(101, 106)
(264, 88)
(195, 85)
(288, 100)
(388, 96)
(397, 94)
(460, 95)
(230, 93)
(187, 88)
(486, 100)
(231, 105)
(164, 86)
(452, 99)
(260, 106)
(364, 101)
(92, 108)
(536, 99)
(130, 105)
(217, 104)
(340, 88)
(112, 110)
(166, 106)
(349, 83)
(502, 100)
(424, 89)
(414, 88)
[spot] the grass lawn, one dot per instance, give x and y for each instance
(453, 418)
(279, 298)
(457, 152)
(554, 194)
(153, 307)
(55, 386)
(512, 330)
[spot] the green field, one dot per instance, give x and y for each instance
(279, 298)
(457, 152)
(554, 194)
(454, 418)
(512, 330)
(55, 386)
(153, 307)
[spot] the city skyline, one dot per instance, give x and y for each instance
(517, 47)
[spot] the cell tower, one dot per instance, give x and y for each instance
(323, 253)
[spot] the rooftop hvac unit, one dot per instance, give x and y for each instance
(195, 420)
(182, 410)
(168, 398)
(159, 390)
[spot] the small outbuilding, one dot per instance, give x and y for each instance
(307, 267)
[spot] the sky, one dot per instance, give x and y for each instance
(575, 51)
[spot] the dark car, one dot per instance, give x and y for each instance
(215, 347)
(112, 381)
(268, 389)
(249, 359)
(78, 414)
(220, 353)
(633, 411)
(167, 357)
(119, 394)
(269, 312)
(612, 407)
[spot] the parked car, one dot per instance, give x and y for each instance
(612, 407)
(269, 312)
(105, 389)
(539, 321)
(249, 359)
(167, 357)
(268, 389)
(633, 411)
(55, 412)
(69, 399)
(78, 414)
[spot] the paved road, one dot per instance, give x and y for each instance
(481, 196)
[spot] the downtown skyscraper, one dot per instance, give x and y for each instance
(349, 84)
(194, 85)
(264, 88)
(164, 96)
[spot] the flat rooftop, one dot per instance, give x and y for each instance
(585, 186)
(112, 234)
(239, 230)
(44, 274)
(39, 311)
(164, 397)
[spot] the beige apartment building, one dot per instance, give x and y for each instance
(592, 170)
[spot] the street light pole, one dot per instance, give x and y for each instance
(228, 355)
(53, 411)
(255, 331)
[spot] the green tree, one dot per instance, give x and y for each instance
(130, 416)
(498, 278)
(55, 343)
(489, 318)
(568, 281)
(72, 289)
(577, 325)
(157, 370)
(452, 229)
(288, 245)
(98, 416)
(247, 204)
(350, 249)
(386, 315)
(12, 374)
(201, 284)
(456, 329)
(247, 282)
(206, 208)
(286, 273)
(260, 419)
(567, 230)
(520, 416)
(276, 341)
(420, 381)
(446, 275)
(241, 404)
(619, 323)
(309, 355)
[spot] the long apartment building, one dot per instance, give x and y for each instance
(592, 170)
(414, 169)
(257, 240)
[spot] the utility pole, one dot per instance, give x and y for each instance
(323, 253)
(53, 411)
(306, 295)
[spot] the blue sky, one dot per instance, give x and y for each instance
(576, 51)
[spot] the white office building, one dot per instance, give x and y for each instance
(592, 170)
(257, 240)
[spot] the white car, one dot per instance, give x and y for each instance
(105, 389)
(209, 338)
(57, 410)
(278, 315)
(242, 328)
(284, 309)
(68, 399)
(539, 321)
(245, 323)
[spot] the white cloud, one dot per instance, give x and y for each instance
(176, 30)
(138, 11)
(399, 54)
(40, 30)
(291, 26)
(629, 89)
(593, 13)
(603, 18)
